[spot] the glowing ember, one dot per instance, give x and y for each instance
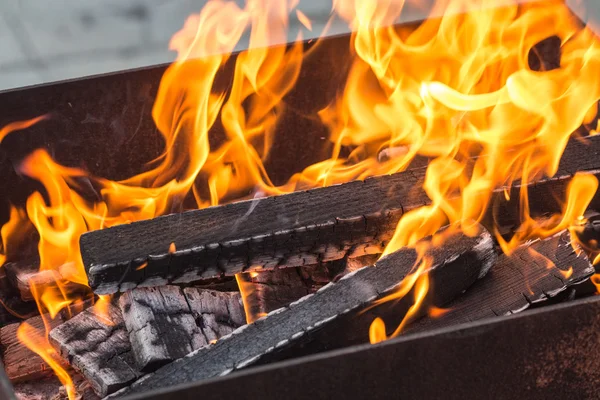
(457, 86)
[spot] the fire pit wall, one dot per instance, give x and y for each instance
(104, 124)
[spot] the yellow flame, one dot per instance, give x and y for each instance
(244, 282)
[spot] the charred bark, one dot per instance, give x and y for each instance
(166, 323)
(269, 290)
(458, 265)
(534, 273)
(96, 344)
(298, 229)
(21, 363)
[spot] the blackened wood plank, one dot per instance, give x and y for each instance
(267, 291)
(21, 363)
(458, 264)
(217, 313)
(534, 273)
(12, 307)
(297, 229)
(52, 389)
(95, 342)
(166, 323)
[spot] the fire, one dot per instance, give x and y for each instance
(38, 343)
(377, 331)
(436, 312)
(457, 88)
(244, 282)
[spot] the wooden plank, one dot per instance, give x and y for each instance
(458, 264)
(95, 343)
(165, 323)
(297, 229)
(534, 273)
(217, 313)
(267, 291)
(52, 389)
(21, 363)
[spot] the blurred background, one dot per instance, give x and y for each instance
(43, 41)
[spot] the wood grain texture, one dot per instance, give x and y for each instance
(267, 291)
(458, 268)
(534, 273)
(160, 325)
(96, 343)
(21, 363)
(166, 323)
(297, 229)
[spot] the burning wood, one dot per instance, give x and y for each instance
(111, 348)
(96, 343)
(21, 363)
(269, 290)
(52, 389)
(458, 265)
(166, 323)
(292, 230)
(534, 273)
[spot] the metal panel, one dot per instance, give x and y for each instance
(552, 352)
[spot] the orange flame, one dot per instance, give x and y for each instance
(459, 86)
(596, 281)
(456, 86)
(19, 125)
(377, 331)
(13, 233)
(436, 312)
(304, 20)
(39, 344)
(244, 282)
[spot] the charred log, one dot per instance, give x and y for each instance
(23, 274)
(269, 290)
(298, 229)
(52, 389)
(21, 363)
(468, 259)
(166, 323)
(534, 273)
(96, 344)
(12, 307)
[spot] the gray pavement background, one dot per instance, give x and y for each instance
(49, 40)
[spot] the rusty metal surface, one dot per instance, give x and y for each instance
(549, 353)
